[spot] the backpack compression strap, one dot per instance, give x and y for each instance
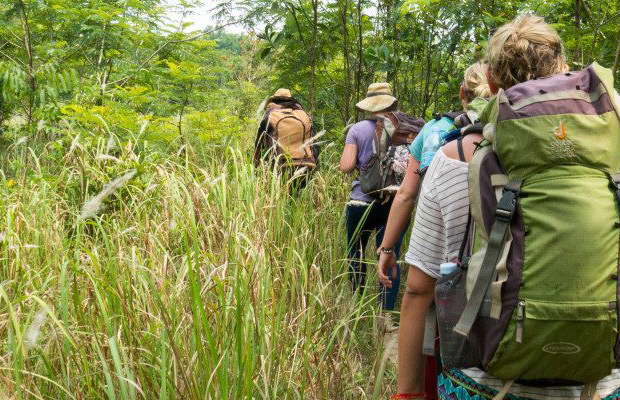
(504, 211)
(459, 146)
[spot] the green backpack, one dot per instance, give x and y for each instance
(540, 259)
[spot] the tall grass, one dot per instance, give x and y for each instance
(200, 278)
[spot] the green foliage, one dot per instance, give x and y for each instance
(421, 47)
(118, 60)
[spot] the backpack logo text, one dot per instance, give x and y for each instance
(561, 348)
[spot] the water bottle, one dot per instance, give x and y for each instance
(450, 300)
(431, 144)
(447, 268)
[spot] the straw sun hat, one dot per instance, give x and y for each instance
(378, 98)
(280, 94)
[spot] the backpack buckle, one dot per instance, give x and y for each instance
(615, 185)
(507, 205)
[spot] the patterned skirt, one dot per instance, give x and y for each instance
(454, 385)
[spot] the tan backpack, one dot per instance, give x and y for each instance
(292, 131)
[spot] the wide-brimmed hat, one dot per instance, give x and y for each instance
(280, 94)
(378, 98)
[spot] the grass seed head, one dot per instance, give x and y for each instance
(34, 330)
(92, 206)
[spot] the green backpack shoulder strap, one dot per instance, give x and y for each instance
(504, 212)
(607, 79)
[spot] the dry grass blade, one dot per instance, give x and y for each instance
(92, 206)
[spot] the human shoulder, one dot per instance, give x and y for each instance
(451, 152)
(441, 167)
(364, 124)
(360, 129)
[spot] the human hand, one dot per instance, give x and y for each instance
(386, 267)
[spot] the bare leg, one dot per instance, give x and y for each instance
(417, 299)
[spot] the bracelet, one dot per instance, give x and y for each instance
(387, 250)
(420, 395)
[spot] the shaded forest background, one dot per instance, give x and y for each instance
(122, 61)
(329, 51)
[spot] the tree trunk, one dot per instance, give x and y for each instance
(30, 64)
(577, 56)
(185, 103)
(391, 36)
(313, 55)
(617, 56)
(347, 64)
(429, 69)
(412, 75)
(395, 66)
(360, 60)
(101, 74)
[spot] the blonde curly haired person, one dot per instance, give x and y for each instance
(523, 49)
(475, 84)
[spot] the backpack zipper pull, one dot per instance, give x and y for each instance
(520, 319)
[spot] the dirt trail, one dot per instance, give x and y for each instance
(391, 346)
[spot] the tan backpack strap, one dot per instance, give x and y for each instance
(380, 138)
(430, 331)
(589, 392)
(505, 389)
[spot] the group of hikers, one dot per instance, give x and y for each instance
(514, 251)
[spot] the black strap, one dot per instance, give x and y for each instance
(463, 247)
(474, 128)
(453, 114)
(504, 211)
(459, 146)
(615, 180)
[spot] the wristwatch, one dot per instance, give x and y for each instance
(386, 250)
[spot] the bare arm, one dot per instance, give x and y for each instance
(349, 158)
(401, 209)
(403, 203)
(417, 299)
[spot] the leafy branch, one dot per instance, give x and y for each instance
(122, 81)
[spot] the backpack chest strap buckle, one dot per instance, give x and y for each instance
(507, 204)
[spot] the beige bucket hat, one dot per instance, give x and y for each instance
(378, 98)
(281, 94)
